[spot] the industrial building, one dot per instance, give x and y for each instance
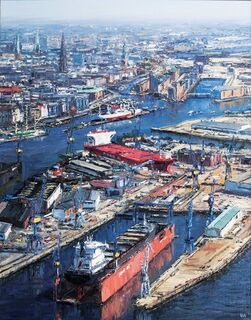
(223, 223)
(235, 128)
(223, 93)
(239, 184)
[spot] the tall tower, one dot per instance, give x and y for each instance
(37, 43)
(62, 56)
(124, 57)
(17, 46)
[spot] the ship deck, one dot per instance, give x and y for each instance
(128, 154)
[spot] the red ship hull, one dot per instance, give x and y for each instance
(131, 156)
(113, 282)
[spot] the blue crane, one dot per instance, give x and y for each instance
(202, 158)
(57, 265)
(211, 204)
(189, 241)
(195, 171)
(36, 206)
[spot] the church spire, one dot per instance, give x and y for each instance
(124, 57)
(62, 56)
(17, 45)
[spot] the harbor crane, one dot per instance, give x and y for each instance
(189, 241)
(202, 158)
(195, 172)
(78, 203)
(36, 207)
(70, 138)
(19, 151)
(57, 265)
(228, 156)
(211, 204)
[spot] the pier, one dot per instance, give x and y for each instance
(211, 256)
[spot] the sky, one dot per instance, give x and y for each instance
(126, 10)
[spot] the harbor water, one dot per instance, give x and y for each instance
(226, 296)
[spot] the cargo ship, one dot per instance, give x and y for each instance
(103, 269)
(99, 143)
(121, 303)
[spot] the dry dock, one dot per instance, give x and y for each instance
(185, 128)
(211, 256)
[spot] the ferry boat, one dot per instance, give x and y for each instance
(103, 269)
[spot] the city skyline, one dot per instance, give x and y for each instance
(147, 11)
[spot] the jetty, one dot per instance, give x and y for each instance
(210, 256)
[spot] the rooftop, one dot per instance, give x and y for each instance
(224, 218)
(242, 178)
(227, 87)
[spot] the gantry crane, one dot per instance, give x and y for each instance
(189, 241)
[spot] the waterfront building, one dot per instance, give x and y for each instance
(223, 93)
(223, 223)
(239, 184)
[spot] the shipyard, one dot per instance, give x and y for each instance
(125, 162)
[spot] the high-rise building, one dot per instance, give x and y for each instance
(63, 56)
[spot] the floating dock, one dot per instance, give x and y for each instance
(211, 256)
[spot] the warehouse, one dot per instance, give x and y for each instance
(239, 184)
(235, 128)
(223, 223)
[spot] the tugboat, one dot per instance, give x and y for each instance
(104, 269)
